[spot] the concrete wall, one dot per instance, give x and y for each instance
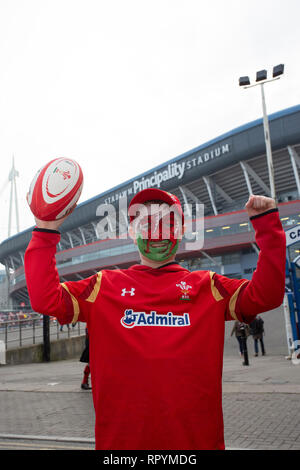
(275, 335)
(67, 348)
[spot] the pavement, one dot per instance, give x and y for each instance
(43, 407)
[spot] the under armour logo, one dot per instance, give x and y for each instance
(131, 291)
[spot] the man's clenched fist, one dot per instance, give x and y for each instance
(258, 204)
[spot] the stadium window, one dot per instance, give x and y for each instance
(231, 258)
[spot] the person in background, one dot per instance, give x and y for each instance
(238, 329)
(85, 357)
(257, 331)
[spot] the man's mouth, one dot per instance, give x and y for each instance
(159, 243)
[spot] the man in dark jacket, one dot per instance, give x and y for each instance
(257, 331)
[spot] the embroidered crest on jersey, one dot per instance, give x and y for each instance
(132, 319)
(185, 290)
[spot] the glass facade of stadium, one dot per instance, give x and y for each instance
(218, 175)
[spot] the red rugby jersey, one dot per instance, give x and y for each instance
(157, 338)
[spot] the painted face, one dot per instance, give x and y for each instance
(158, 234)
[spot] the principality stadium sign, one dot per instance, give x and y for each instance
(292, 235)
(175, 170)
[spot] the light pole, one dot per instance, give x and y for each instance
(261, 79)
(13, 192)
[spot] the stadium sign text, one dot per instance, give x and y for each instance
(292, 236)
(173, 170)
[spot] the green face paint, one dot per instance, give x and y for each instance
(157, 253)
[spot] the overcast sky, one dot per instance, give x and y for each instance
(122, 86)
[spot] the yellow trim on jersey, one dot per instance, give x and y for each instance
(76, 308)
(93, 295)
(232, 301)
(216, 294)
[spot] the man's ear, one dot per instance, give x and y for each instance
(183, 230)
(131, 233)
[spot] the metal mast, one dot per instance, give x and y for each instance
(13, 194)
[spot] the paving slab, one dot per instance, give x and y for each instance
(261, 403)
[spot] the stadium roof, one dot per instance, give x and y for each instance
(240, 144)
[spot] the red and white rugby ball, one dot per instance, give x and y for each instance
(55, 189)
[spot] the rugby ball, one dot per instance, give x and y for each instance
(55, 189)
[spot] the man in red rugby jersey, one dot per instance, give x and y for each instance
(156, 367)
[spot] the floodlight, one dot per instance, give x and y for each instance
(244, 81)
(278, 70)
(261, 80)
(261, 75)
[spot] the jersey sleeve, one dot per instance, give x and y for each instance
(80, 295)
(245, 299)
(227, 290)
(69, 301)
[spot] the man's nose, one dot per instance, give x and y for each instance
(155, 231)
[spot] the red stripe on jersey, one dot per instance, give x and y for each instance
(218, 284)
(69, 308)
(89, 288)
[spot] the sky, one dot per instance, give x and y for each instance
(123, 86)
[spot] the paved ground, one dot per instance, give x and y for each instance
(43, 407)
(261, 403)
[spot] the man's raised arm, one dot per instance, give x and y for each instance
(47, 295)
(266, 289)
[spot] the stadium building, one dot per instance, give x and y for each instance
(218, 175)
